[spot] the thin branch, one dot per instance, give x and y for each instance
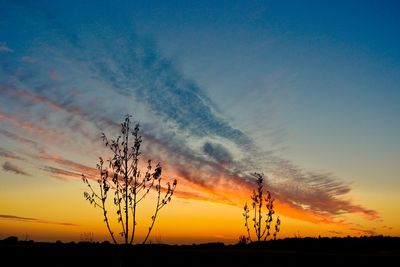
(103, 201)
(246, 217)
(160, 204)
(118, 201)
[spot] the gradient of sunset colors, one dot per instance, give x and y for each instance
(306, 92)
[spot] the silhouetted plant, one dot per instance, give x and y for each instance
(123, 176)
(262, 227)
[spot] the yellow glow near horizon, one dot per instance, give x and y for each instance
(182, 221)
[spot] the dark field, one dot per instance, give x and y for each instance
(370, 251)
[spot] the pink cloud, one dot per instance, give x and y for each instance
(9, 154)
(28, 126)
(31, 97)
(8, 166)
(69, 168)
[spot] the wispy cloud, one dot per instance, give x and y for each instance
(218, 153)
(322, 193)
(39, 148)
(31, 97)
(26, 125)
(7, 166)
(60, 173)
(77, 168)
(79, 87)
(33, 220)
(8, 154)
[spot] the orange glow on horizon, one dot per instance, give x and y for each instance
(184, 221)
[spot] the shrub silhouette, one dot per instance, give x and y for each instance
(262, 228)
(123, 177)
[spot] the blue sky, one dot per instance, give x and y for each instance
(305, 91)
(327, 72)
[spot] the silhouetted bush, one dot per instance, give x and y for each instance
(122, 176)
(261, 227)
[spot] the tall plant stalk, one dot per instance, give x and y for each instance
(124, 178)
(261, 225)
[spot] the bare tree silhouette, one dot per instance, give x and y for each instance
(123, 177)
(262, 228)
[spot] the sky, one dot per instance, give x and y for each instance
(305, 92)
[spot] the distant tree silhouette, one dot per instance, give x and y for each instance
(242, 240)
(261, 225)
(122, 176)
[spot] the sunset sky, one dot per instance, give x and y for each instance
(306, 92)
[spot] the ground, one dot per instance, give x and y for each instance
(370, 251)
